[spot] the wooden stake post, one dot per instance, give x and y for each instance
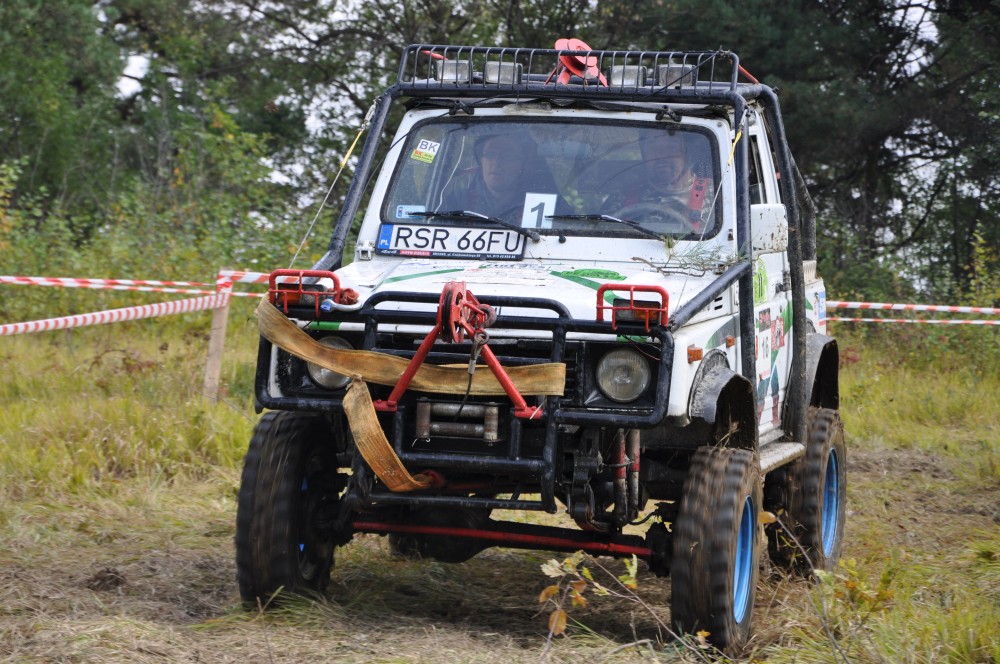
(217, 339)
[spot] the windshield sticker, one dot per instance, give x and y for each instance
(536, 208)
(450, 242)
(406, 211)
(425, 151)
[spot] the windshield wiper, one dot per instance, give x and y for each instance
(607, 217)
(466, 214)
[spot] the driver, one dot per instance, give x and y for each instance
(670, 184)
(501, 178)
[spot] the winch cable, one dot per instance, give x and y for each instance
(478, 341)
(343, 163)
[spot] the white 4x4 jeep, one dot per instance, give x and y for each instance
(581, 284)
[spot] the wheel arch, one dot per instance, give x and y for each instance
(722, 394)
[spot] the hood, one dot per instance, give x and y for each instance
(572, 283)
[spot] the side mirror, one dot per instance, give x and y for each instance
(768, 228)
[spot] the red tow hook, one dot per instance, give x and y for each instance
(459, 315)
(438, 481)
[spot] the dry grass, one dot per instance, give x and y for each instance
(117, 506)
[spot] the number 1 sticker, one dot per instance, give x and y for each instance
(536, 208)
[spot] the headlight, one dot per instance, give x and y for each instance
(331, 380)
(623, 375)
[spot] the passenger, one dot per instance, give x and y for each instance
(669, 191)
(501, 180)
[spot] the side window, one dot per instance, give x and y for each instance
(756, 186)
(763, 172)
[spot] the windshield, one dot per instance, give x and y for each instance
(559, 176)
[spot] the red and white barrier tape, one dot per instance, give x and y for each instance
(220, 299)
(916, 320)
(145, 285)
(837, 304)
(213, 300)
(110, 284)
(242, 277)
(93, 283)
(226, 278)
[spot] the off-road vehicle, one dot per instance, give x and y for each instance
(582, 285)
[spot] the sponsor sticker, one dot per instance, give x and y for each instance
(425, 151)
(406, 211)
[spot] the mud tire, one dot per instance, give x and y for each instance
(404, 547)
(289, 481)
(815, 494)
(717, 546)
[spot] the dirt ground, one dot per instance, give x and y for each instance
(146, 574)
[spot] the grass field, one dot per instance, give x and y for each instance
(117, 506)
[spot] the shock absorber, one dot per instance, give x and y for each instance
(632, 450)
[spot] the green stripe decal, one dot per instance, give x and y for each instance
(609, 296)
(632, 338)
(729, 328)
(324, 325)
(407, 277)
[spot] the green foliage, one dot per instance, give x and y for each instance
(187, 234)
(56, 101)
(853, 598)
(894, 607)
(951, 396)
(984, 273)
(891, 115)
(95, 406)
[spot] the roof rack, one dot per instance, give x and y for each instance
(427, 70)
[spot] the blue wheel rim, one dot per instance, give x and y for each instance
(743, 567)
(303, 561)
(831, 503)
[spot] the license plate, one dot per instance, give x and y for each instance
(450, 242)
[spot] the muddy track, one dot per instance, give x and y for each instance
(163, 595)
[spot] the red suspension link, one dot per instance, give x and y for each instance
(460, 315)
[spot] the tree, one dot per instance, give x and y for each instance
(246, 108)
(55, 103)
(890, 109)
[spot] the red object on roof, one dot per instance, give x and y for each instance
(584, 66)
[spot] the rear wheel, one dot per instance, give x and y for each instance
(288, 501)
(716, 548)
(816, 488)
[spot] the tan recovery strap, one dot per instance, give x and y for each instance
(372, 443)
(539, 379)
(361, 365)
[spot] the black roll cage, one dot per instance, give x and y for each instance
(416, 81)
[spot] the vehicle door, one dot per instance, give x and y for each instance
(772, 305)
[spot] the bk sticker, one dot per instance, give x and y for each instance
(425, 151)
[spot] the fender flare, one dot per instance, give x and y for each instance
(823, 371)
(721, 386)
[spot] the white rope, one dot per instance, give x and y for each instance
(343, 163)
